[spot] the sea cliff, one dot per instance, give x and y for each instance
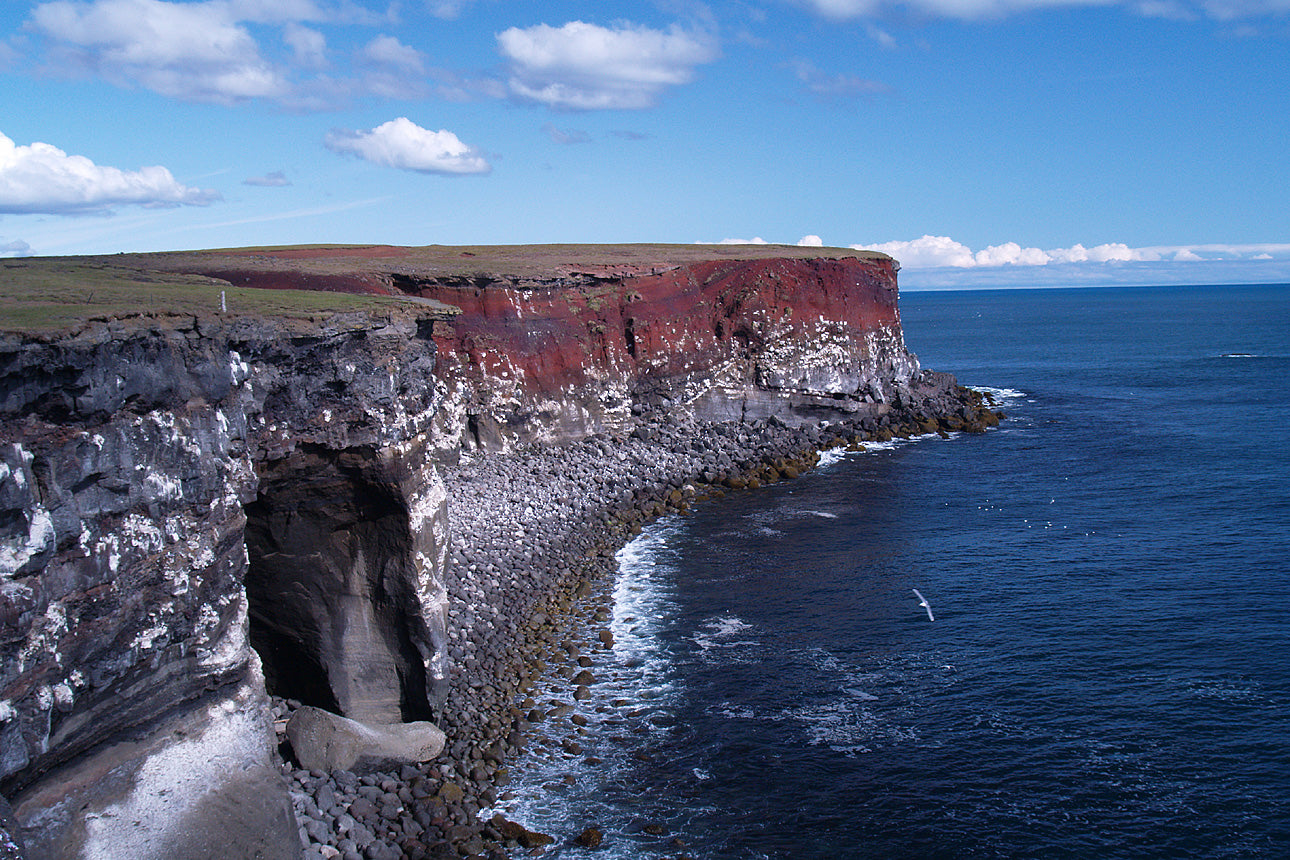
(382, 511)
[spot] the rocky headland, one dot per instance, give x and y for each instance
(224, 525)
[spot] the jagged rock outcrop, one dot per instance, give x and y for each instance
(133, 455)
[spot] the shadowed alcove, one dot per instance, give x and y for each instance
(332, 612)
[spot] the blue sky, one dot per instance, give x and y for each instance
(981, 142)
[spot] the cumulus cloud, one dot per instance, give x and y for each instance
(15, 248)
(930, 252)
(42, 179)
(582, 66)
(203, 51)
(811, 242)
(274, 179)
(403, 144)
(190, 51)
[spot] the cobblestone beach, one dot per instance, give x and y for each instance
(533, 538)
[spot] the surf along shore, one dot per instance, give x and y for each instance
(534, 534)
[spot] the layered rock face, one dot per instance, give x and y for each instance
(191, 509)
(800, 339)
(133, 716)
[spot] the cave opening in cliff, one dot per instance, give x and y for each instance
(327, 587)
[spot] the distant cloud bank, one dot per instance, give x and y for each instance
(942, 251)
(940, 262)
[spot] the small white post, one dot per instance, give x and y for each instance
(223, 305)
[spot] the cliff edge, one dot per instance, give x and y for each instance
(222, 478)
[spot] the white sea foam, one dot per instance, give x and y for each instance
(831, 456)
(554, 793)
(723, 632)
(1002, 397)
(823, 514)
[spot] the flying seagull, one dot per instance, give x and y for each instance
(922, 601)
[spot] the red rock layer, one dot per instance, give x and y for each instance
(659, 325)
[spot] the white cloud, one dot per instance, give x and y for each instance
(392, 69)
(930, 252)
(565, 136)
(836, 86)
(201, 51)
(275, 179)
(43, 179)
(15, 248)
(756, 240)
(446, 8)
(926, 252)
(583, 66)
(389, 51)
(811, 242)
(308, 45)
(1011, 254)
(190, 51)
(405, 145)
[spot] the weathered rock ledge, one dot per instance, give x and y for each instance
(384, 514)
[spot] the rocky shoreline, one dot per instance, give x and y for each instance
(533, 539)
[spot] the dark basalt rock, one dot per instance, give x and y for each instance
(131, 453)
(195, 514)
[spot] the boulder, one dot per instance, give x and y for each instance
(592, 837)
(325, 741)
(519, 833)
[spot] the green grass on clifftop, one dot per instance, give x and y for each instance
(48, 295)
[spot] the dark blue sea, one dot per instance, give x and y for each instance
(1108, 671)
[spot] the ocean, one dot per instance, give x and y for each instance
(1108, 671)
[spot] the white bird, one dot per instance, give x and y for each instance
(922, 601)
